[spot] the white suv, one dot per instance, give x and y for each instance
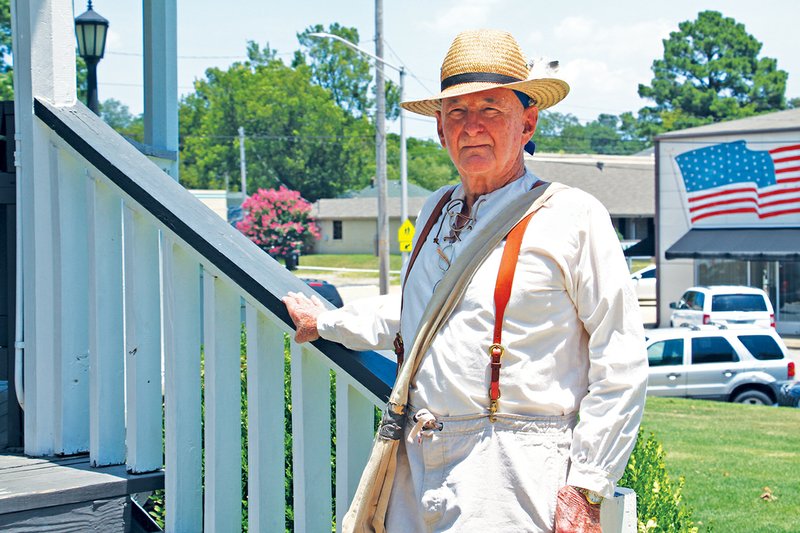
(745, 365)
(730, 305)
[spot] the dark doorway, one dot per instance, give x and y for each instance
(10, 413)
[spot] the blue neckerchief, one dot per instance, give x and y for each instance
(526, 101)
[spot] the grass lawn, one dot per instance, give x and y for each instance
(729, 455)
(364, 261)
(349, 261)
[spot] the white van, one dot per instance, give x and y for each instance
(730, 305)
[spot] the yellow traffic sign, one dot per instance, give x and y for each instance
(405, 235)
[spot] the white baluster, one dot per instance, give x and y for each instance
(183, 446)
(265, 428)
(223, 445)
(619, 513)
(70, 302)
(355, 422)
(106, 341)
(142, 343)
(311, 441)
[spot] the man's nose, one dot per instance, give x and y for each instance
(473, 123)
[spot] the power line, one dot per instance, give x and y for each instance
(240, 56)
(408, 70)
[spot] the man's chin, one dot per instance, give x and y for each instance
(476, 165)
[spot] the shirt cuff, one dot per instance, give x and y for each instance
(586, 477)
(326, 326)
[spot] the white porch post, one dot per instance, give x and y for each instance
(161, 77)
(44, 66)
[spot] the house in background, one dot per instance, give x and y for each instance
(623, 184)
(348, 225)
(214, 199)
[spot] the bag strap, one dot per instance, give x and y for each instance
(399, 349)
(502, 293)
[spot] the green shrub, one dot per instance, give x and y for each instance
(659, 502)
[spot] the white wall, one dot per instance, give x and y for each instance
(358, 237)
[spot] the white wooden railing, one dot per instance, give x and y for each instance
(148, 285)
(136, 258)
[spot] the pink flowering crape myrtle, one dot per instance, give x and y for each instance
(278, 221)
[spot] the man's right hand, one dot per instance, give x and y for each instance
(304, 312)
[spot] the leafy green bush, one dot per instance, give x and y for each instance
(659, 502)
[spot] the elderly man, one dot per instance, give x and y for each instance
(541, 316)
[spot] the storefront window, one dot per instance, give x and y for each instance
(789, 306)
(783, 289)
(721, 272)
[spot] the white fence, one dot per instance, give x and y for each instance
(128, 246)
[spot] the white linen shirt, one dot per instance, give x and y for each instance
(572, 330)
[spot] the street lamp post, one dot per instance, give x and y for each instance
(91, 30)
(403, 153)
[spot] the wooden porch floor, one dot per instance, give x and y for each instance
(31, 486)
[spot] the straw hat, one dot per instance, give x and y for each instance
(485, 59)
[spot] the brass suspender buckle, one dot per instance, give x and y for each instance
(496, 351)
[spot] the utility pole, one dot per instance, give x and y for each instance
(380, 155)
(403, 161)
(403, 154)
(242, 164)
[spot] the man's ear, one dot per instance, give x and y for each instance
(530, 117)
(440, 129)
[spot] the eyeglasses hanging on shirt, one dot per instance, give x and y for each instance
(458, 220)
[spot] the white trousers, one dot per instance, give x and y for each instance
(482, 476)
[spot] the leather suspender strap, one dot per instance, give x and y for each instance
(399, 349)
(502, 293)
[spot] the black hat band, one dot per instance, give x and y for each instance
(469, 77)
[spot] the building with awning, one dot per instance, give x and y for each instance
(728, 210)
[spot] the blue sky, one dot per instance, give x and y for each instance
(605, 48)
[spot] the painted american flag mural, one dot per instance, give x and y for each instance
(730, 178)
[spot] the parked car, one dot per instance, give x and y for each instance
(744, 365)
(730, 305)
(326, 290)
(790, 394)
(644, 281)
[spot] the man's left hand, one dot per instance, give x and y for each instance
(574, 514)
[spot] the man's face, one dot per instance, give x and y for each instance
(484, 133)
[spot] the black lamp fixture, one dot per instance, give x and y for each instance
(91, 30)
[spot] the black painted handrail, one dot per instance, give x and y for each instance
(218, 242)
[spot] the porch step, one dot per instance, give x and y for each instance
(66, 494)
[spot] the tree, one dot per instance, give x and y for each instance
(710, 72)
(555, 133)
(607, 134)
(345, 72)
(6, 71)
(295, 133)
(429, 164)
(118, 116)
(279, 222)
